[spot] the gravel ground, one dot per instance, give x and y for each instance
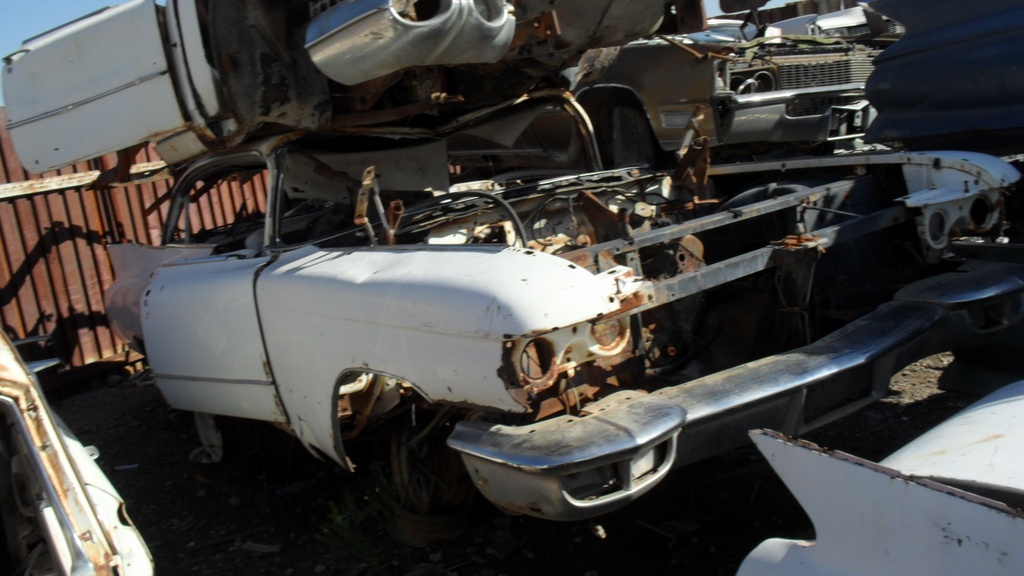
(280, 511)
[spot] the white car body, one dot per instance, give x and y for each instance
(88, 90)
(454, 270)
(946, 503)
(59, 495)
(847, 23)
(322, 338)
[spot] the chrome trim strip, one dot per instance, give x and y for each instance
(855, 89)
(213, 380)
(80, 103)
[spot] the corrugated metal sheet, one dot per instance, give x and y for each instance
(53, 232)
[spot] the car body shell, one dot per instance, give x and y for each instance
(284, 331)
(949, 501)
(572, 333)
(765, 92)
(55, 498)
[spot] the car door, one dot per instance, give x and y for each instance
(67, 85)
(202, 333)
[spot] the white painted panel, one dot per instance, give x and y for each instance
(91, 87)
(241, 399)
(872, 520)
(200, 324)
(435, 317)
(133, 266)
(190, 61)
(981, 445)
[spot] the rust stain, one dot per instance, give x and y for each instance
(977, 442)
(798, 241)
(139, 173)
(540, 30)
(45, 440)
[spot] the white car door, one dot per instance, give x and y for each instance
(203, 335)
(121, 76)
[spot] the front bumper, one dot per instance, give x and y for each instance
(804, 115)
(575, 467)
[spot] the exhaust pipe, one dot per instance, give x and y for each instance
(359, 40)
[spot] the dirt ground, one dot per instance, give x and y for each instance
(280, 511)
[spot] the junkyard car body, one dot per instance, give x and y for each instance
(61, 514)
(769, 96)
(849, 23)
(949, 502)
(474, 277)
(599, 327)
(725, 31)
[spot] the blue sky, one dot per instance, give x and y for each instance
(21, 19)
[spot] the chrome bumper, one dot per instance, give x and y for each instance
(768, 117)
(575, 467)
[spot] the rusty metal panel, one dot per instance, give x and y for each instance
(54, 227)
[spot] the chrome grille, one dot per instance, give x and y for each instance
(823, 70)
(858, 30)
